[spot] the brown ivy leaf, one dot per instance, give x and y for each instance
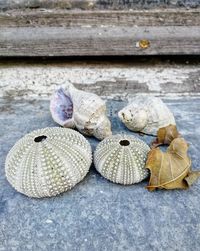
(165, 135)
(170, 169)
(192, 177)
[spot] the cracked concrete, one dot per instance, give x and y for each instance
(106, 79)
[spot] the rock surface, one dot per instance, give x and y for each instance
(96, 4)
(97, 214)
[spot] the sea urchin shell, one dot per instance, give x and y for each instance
(121, 159)
(48, 161)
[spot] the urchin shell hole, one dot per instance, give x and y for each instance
(124, 142)
(40, 138)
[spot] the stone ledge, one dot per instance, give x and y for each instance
(109, 79)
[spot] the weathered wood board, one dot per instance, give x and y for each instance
(99, 41)
(87, 28)
(95, 18)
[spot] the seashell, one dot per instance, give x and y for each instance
(48, 161)
(83, 110)
(147, 115)
(121, 159)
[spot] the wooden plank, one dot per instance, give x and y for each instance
(60, 41)
(64, 18)
(87, 33)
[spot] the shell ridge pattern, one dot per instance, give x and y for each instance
(76, 141)
(132, 173)
(119, 174)
(40, 170)
(121, 159)
(14, 161)
(105, 158)
(30, 173)
(72, 154)
(20, 172)
(36, 167)
(113, 171)
(54, 164)
(139, 171)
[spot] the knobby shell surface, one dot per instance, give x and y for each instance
(146, 114)
(86, 111)
(48, 161)
(121, 159)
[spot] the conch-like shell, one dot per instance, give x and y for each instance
(48, 161)
(121, 159)
(146, 114)
(83, 110)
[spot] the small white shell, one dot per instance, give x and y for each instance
(86, 111)
(146, 114)
(121, 159)
(48, 161)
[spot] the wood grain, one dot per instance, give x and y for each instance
(67, 18)
(60, 41)
(102, 33)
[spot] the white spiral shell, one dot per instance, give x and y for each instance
(121, 159)
(48, 161)
(86, 111)
(146, 114)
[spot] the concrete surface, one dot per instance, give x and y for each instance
(98, 215)
(115, 79)
(96, 4)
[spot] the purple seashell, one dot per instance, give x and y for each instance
(86, 111)
(61, 108)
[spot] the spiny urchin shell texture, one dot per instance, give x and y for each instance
(121, 159)
(48, 161)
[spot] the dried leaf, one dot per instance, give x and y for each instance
(169, 169)
(192, 177)
(165, 135)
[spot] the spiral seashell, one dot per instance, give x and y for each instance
(146, 114)
(48, 161)
(121, 159)
(86, 111)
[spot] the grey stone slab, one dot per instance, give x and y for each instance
(97, 214)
